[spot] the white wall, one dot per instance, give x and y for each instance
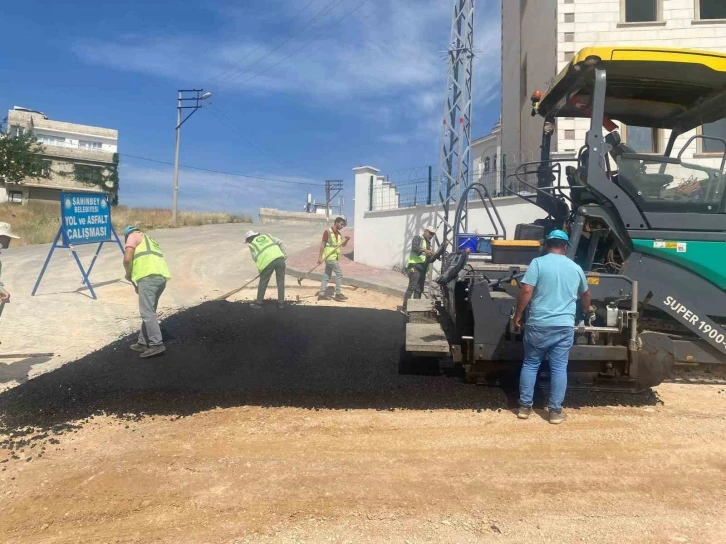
(383, 238)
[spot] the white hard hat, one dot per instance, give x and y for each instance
(431, 229)
(251, 234)
(6, 231)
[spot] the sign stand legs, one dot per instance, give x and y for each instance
(47, 260)
(85, 274)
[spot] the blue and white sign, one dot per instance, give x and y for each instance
(85, 218)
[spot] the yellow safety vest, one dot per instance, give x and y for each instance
(148, 261)
(265, 250)
(414, 259)
(331, 251)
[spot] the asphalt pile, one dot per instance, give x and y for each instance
(222, 354)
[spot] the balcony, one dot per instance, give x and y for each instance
(67, 150)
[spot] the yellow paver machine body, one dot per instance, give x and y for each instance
(648, 229)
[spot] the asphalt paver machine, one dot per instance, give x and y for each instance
(648, 229)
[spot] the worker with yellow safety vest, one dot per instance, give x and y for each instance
(146, 269)
(418, 263)
(330, 254)
(269, 255)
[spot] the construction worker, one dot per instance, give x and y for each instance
(419, 259)
(330, 254)
(269, 255)
(6, 234)
(146, 269)
(550, 288)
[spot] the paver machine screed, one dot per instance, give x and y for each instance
(648, 229)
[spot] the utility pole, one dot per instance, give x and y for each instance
(195, 96)
(333, 187)
(455, 155)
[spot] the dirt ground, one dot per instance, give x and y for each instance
(298, 426)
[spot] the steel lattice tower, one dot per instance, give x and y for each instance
(454, 160)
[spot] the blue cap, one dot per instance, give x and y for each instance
(128, 230)
(559, 235)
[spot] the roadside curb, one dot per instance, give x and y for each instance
(351, 282)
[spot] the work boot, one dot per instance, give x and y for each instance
(139, 347)
(340, 297)
(256, 305)
(557, 417)
(524, 412)
(323, 296)
(151, 351)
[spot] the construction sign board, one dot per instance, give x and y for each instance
(85, 219)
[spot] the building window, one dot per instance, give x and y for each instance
(569, 36)
(15, 196)
(569, 17)
(710, 9)
(715, 130)
(569, 135)
(494, 164)
(640, 11)
(642, 139)
(17, 131)
(52, 140)
(84, 144)
(487, 165)
(45, 169)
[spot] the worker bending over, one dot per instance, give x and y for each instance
(419, 259)
(550, 288)
(330, 254)
(146, 269)
(6, 234)
(269, 255)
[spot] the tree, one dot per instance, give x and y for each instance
(19, 157)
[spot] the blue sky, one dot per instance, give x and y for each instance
(317, 86)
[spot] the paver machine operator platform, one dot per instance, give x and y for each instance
(649, 230)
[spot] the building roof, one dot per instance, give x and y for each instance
(646, 86)
(38, 120)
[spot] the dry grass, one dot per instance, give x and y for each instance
(37, 222)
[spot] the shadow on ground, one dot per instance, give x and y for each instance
(223, 354)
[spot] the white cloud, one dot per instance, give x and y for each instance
(388, 52)
(151, 186)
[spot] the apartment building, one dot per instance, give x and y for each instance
(75, 158)
(539, 38)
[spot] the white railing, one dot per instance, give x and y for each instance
(66, 145)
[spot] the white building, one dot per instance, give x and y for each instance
(539, 38)
(75, 158)
(486, 153)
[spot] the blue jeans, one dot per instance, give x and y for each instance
(554, 342)
(330, 267)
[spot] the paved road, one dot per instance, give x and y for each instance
(62, 318)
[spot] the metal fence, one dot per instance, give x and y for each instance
(420, 187)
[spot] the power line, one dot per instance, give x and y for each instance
(275, 180)
(322, 13)
(297, 15)
(298, 50)
(229, 123)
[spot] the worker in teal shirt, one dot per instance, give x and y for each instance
(550, 288)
